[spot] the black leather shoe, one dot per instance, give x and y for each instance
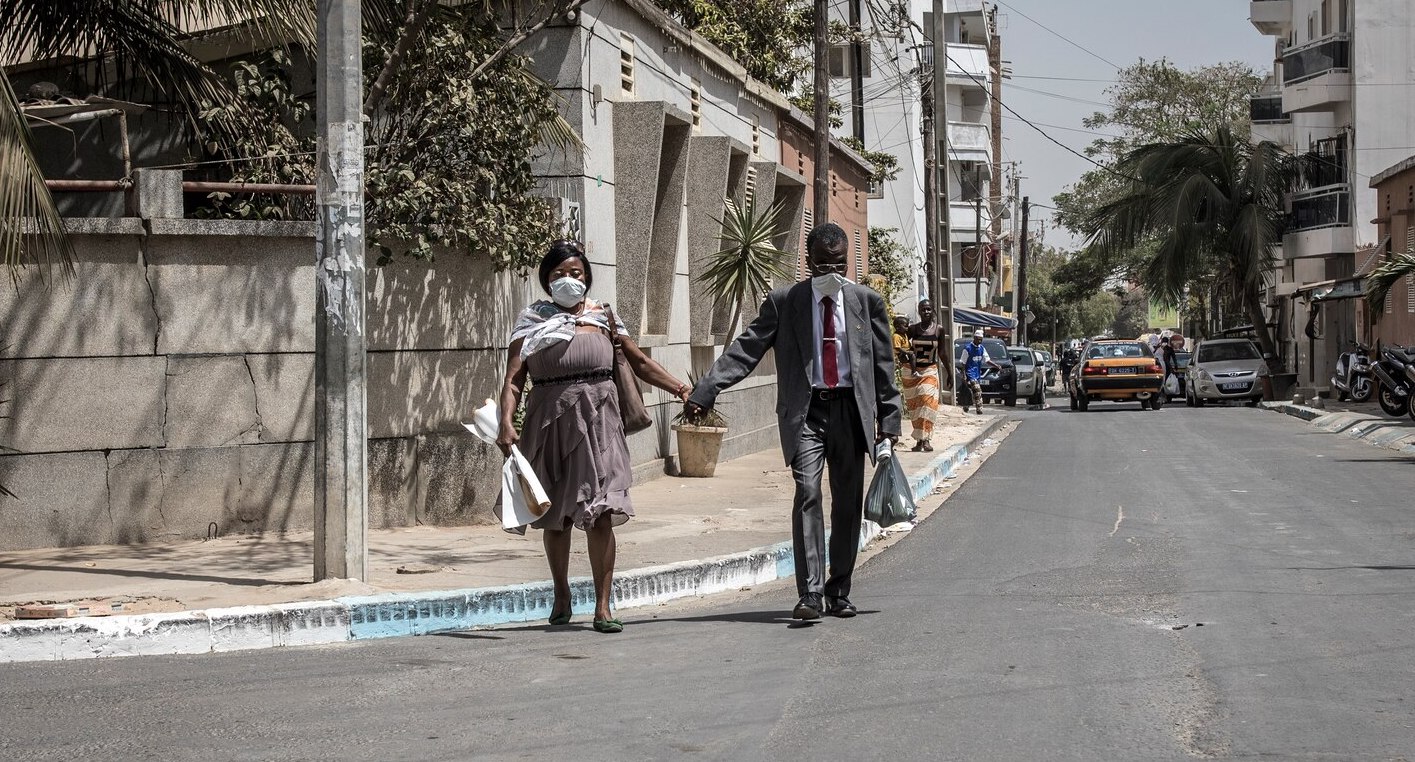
(809, 607)
(842, 607)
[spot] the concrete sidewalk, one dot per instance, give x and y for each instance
(1363, 421)
(690, 537)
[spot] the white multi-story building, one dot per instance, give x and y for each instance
(895, 51)
(1341, 89)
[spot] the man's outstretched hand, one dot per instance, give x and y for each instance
(693, 410)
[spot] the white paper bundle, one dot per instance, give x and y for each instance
(523, 499)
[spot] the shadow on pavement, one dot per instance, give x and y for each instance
(242, 581)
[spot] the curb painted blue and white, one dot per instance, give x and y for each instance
(400, 614)
(1389, 433)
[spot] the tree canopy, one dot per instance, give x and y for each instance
(1151, 102)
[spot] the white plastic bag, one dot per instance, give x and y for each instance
(523, 499)
(1171, 385)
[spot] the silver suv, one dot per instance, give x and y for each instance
(1225, 369)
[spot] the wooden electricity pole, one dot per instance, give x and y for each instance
(821, 194)
(340, 432)
(943, 254)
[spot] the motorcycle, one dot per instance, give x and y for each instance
(1396, 373)
(1353, 374)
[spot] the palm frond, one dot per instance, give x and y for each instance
(31, 232)
(1383, 278)
(749, 260)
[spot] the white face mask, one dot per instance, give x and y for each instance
(568, 292)
(830, 283)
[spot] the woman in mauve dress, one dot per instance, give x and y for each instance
(572, 433)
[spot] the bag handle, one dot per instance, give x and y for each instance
(613, 327)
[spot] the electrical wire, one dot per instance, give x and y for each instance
(1063, 37)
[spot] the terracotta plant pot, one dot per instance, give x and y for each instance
(698, 448)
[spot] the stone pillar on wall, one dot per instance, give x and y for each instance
(651, 155)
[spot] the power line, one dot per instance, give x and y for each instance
(1063, 37)
(1029, 122)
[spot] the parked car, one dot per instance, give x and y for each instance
(1031, 374)
(1225, 369)
(1115, 370)
(1181, 373)
(1050, 363)
(997, 383)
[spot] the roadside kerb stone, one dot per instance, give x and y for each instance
(402, 614)
(1390, 433)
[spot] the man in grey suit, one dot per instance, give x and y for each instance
(836, 401)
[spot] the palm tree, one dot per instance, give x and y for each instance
(131, 43)
(1383, 278)
(1212, 204)
(126, 43)
(749, 261)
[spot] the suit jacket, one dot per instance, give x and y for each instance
(785, 324)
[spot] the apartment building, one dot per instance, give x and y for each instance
(1340, 89)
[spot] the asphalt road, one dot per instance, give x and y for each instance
(1111, 585)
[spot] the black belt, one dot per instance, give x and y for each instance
(838, 393)
(600, 374)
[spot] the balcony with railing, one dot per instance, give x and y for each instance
(1272, 17)
(1266, 108)
(1319, 222)
(970, 141)
(1317, 76)
(968, 66)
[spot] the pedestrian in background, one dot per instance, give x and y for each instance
(836, 404)
(920, 381)
(573, 434)
(975, 356)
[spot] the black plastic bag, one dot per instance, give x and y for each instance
(890, 500)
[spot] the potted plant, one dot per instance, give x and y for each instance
(699, 442)
(744, 268)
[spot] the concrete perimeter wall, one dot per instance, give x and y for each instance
(168, 387)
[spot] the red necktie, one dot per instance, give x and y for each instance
(830, 372)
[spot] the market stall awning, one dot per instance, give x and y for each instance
(966, 316)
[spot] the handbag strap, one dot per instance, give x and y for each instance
(613, 327)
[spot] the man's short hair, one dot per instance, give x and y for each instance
(827, 234)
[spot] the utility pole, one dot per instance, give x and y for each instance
(340, 431)
(978, 266)
(926, 102)
(943, 184)
(995, 63)
(1022, 277)
(821, 192)
(857, 72)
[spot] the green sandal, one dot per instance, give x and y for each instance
(608, 625)
(562, 618)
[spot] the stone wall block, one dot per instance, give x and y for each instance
(199, 486)
(707, 189)
(135, 493)
(284, 396)
(233, 294)
(60, 500)
(211, 401)
(105, 309)
(394, 494)
(67, 405)
(461, 479)
(459, 302)
(413, 393)
(277, 489)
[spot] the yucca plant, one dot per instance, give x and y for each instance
(1383, 278)
(748, 262)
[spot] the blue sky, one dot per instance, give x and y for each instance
(1189, 34)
